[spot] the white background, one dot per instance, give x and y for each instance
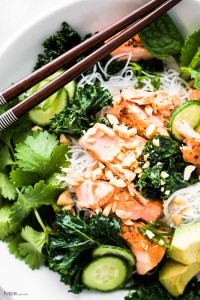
(16, 14)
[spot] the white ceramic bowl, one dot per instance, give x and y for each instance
(17, 58)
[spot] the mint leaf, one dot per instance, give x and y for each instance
(194, 74)
(190, 54)
(6, 187)
(161, 38)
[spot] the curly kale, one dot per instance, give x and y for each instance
(77, 118)
(64, 39)
(78, 235)
(149, 288)
(165, 157)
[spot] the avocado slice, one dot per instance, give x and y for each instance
(174, 276)
(185, 244)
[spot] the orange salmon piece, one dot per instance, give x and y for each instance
(191, 149)
(133, 47)
(147, 254)
(105, 144)
(94, 194)
(98, 194)
(194, 94)
(133, 115)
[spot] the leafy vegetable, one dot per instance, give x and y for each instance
(29, 162)
(81, 115)
(64, 39)
(165, 157)
(194, 74)
(149, 288)
(78, 235)
(161, 38)
(160, 230)
(190, 53)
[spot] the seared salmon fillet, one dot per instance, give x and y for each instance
(94, 194)
(133, 47)
(116, 148)
(100, 194)
(191, 149)
(147, 254)
(133, 115)
(140, 109)
(194, 94)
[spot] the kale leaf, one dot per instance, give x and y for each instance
(64, 39)
(165, 157)
(78, 236)
(161, 38)
(78, 117)
(149, 288)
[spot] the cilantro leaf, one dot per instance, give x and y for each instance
(31, 250)
(6, 187)
(41, 147)
(5, 158)
(4, 221)
(32, 198)
(41, 194)
(31, 255)
(21, 178)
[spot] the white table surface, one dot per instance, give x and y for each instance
(15, 14)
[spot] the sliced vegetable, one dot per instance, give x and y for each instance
(71, 90)
(188, 111)
(115, 251)
(105, 273)
(45, 111)
(42, 115)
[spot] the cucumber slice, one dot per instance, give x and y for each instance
(189, 111)
(45, 111)
(42, 117)
(114, 251)
(71, 89)
(106, 273)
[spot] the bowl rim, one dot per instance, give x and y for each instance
(35, 21)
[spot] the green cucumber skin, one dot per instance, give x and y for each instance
(114, 251)
(106, 273)
(184, 110)
(42, 117)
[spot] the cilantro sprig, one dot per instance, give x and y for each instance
(28, 162)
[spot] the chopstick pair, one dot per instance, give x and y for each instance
(127, 26)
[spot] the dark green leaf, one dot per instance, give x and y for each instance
(161, 38)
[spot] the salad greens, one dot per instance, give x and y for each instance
(36, 229)
(71, 249)
(149, 288)
(162, 158)
(161, 38)
(28, 164)
(55, 45)
(80, 115)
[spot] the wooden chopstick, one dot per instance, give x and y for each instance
(21, 86)
(33, 100)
